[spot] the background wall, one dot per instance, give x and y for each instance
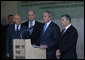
(74, 8)
(7, 7)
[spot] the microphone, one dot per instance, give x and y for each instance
(31, 27)
(26, 30)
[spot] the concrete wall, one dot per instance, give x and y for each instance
(11, 7)
(7, 7)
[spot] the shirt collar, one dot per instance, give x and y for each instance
(67, 26)
(33, 22)
(18, 26)
(48, 22)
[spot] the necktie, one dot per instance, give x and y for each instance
(63, 31)
(31, 28)
(30, 24)
(17, 28)
(44, 29)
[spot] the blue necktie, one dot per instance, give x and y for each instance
(30, 24)
(30, 29)
(44, 29)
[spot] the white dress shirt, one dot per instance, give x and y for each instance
(67, 27)
(48, 23)
(33, 23)
(19, 26)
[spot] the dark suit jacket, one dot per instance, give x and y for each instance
(68, 43)
(51, 39)
(2, 41)
(35, 33)
(12, 34)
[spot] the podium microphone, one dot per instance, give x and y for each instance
(23, 32)
(26, 30)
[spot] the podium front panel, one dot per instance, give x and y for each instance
(18, 49)
(22, 49)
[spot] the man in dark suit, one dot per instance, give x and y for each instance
(2, 41)
(50, 35)
(3, 36)
(10, 22)
(14, 32)
(69, 35)
(34, 28)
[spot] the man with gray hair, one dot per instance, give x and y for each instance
(50, 35)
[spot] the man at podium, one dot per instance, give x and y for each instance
(14, 32)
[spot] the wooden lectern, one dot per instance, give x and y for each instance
(22, 49)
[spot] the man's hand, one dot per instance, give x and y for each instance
(7, 54)
(43, 46)
(58, 54)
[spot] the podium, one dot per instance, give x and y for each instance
(22, 49)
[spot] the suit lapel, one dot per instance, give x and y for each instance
(27, 24)
(21, 28)
(66, 31)
(14, 28)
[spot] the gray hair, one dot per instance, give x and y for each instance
(49, 13)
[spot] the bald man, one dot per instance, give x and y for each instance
(14, 32)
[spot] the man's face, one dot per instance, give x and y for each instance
(46, 17)
(17, 19)
(10, 19)
(64, 21)
(31, 15)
